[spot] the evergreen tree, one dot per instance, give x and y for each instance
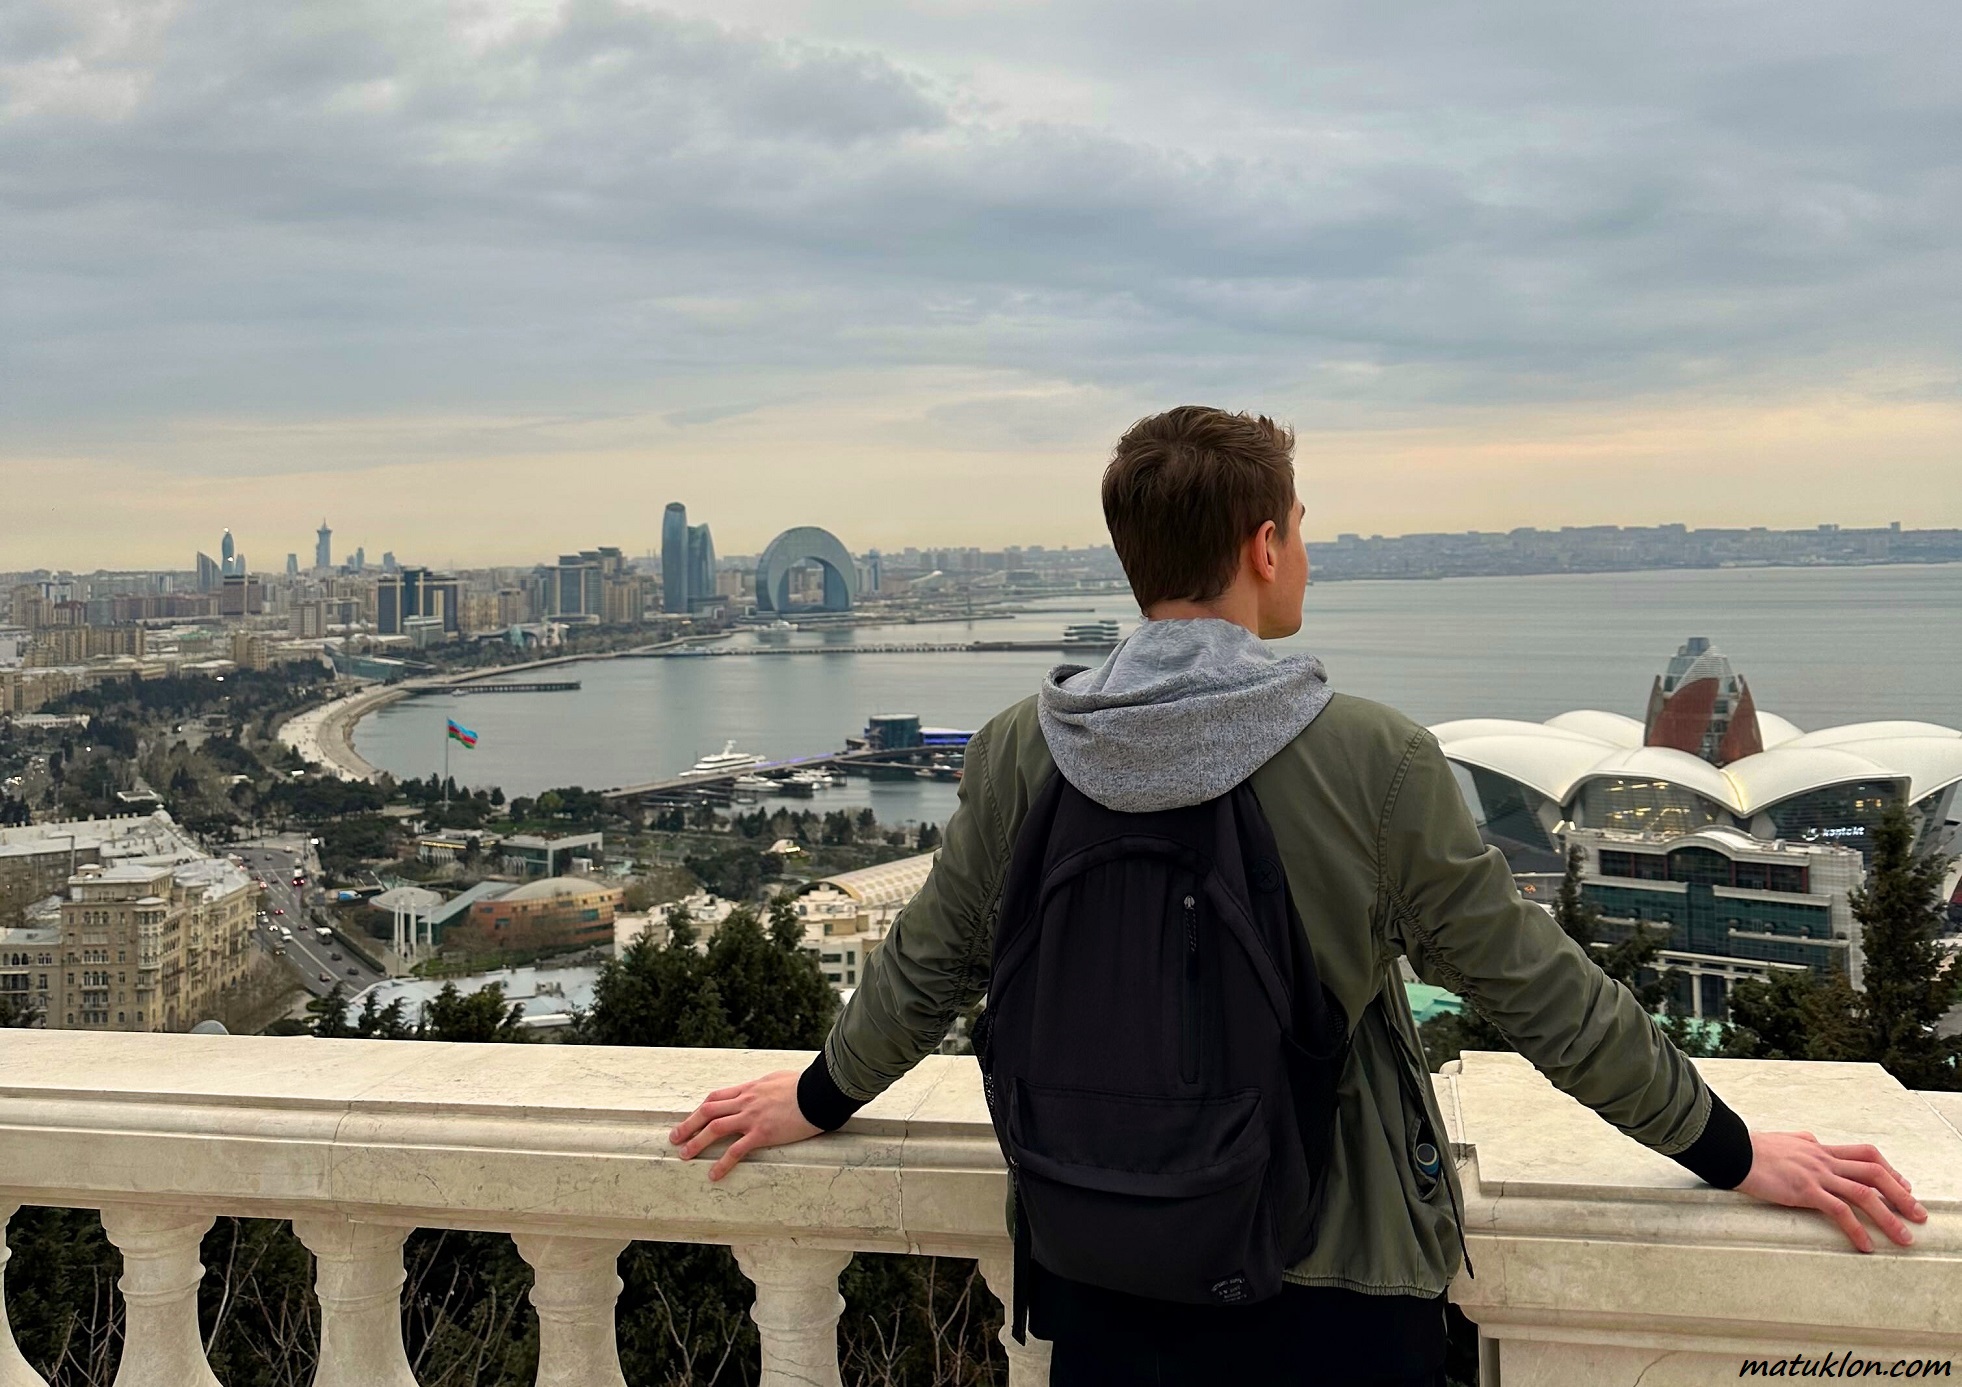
(481, 1017)
(1571, 909)
(1892, 1021)
(1793, 1016)
(772, 992)
(329, 1014)
(1905, 991)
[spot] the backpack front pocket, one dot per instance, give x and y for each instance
(1157, 1197)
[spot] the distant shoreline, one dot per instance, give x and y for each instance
(1460, 575)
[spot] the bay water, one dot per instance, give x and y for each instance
(1820, 646)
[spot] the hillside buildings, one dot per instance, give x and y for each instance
(1619, 549)
(139, 929)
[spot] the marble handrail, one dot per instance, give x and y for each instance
(564, 1147)
(1597, 1261)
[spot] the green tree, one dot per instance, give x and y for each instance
(479, 1017)
(771, 991)
(1893, 1019)
(1793, 1016)
(1905, 990)
(748, 988)
(329, 1014)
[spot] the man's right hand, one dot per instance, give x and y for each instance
(759, 1113)
(1795, 1170)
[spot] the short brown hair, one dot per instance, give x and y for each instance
(1185, 489)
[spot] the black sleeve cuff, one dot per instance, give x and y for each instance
(824, 1105)
(1722, 1155)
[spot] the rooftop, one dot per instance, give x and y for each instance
(888, 884)
(554, 888)
(550, 995)
(1556, 756)
(135, 835)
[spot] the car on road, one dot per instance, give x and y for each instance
(335, 955)
(326, 977)
(354, 972)
(279, 910)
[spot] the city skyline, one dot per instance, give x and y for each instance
(909, 274)
(1663, 545)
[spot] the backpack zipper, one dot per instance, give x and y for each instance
(1189, 1055)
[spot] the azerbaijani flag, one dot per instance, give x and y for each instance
(460, 733)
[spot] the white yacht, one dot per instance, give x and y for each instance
(724, 761)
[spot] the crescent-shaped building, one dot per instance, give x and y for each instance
(806, 544)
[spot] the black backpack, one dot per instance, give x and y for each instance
(1158, 1051)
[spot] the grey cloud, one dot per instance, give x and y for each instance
(1359, 206)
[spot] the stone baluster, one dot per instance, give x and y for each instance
(576, 1282)
(796, 1311)
(1028, 1364)
(14, 1371)
(358, 1276)
(161, 1271)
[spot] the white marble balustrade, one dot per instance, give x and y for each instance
(1597, 1262)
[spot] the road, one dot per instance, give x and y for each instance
(273, 862)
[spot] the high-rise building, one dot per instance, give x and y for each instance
(442, 599)
(292, 565)
(209, 574)
(411, 593)
(674, 558)
(359, 561)
(227, 555)
(323, 547)
(591, 586)
(240, 596)
(388, 605)
(701, 566)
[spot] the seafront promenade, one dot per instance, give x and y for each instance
(324, 736)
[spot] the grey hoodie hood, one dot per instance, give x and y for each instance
(1179, 713)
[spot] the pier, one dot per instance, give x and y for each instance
(722, 780)
(724, 652)
(534, 686)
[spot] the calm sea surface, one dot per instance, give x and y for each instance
(1819, 646)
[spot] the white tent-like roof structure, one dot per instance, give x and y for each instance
(1557, 756)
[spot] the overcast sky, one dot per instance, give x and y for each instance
(481, 282)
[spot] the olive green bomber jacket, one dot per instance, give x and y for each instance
(1383, 861)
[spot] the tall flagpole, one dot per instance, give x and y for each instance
(446, 763)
